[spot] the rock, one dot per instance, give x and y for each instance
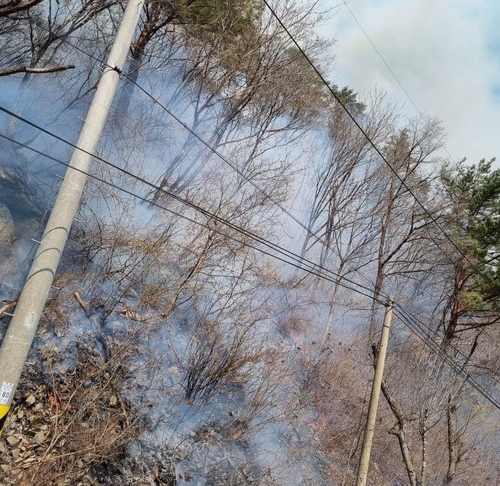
(113, 401)
(7, 230)
(39, 437)
(31, 399)
(13, 440)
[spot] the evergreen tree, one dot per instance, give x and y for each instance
(473, 193)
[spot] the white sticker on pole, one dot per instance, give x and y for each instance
(5, 392)
(30, 320)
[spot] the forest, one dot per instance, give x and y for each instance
(216, 314)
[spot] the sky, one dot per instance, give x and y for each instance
(445, 53)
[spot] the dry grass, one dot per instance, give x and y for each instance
(73, 424)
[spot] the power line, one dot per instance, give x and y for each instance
(297, 260)
(383, 60)
(405, 91)
(454, 365)
(428, 332)
(212, 216)
(377, 150)
(227, 161)
(285, 253)
(332, 92)
(424, 333)
(478, 271)
(251, 182)
(212, 149)
(233, 166)
(215, 151)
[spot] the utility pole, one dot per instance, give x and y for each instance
(364, 461)
(22, 328)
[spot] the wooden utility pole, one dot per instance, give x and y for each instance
(364, 461)
(22, 328)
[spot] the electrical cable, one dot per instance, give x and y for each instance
(312, 268)
(377, 150)
(437, 348)
(478, 271)
(384, 61)
(207, 214)
(234, 167)
(428, 331)
(393, 74)
(423, 333)
(212, 149)
(455, 366)
(156, 187)
(225, 159)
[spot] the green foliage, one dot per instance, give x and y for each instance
(474, 194)
(472, 301)
(215, 17)
(251, 66)
(349, 98)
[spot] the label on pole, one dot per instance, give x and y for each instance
(4, 409)
(30, 320)
(5, 392)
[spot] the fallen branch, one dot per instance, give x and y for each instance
(83, 304)
(7, 308)
(27, 69)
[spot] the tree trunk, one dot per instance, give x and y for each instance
(453, 443)
(399, 430)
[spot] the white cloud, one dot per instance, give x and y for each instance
(446, 55)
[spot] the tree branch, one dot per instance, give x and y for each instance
(17, 7)
(27, 69)
(399, 429)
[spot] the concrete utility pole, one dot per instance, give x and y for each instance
(364, 462)
(22, 328)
